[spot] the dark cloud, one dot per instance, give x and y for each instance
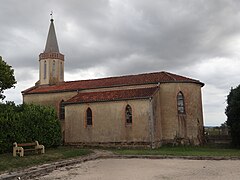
(192, 38)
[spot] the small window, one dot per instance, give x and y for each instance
(89, 117)
(62, 111)
(128, 114)
(54, 69)
(180, 103)
(61, 71)
(45, 70)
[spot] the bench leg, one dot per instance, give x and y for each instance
(43, 150)
(18, 150)
(22, 153)
(14, 152)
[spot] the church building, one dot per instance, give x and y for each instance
(148, 109)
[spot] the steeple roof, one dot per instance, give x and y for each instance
(51, 44)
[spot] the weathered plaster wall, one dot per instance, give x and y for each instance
(108, 122)
(50, 77)
(193, 105)
(52, 99)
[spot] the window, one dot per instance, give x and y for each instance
(61, 71)
(180, 103)
(62, 111)
(128, 114)
(45, 70)
(89, 117)
(54, 69)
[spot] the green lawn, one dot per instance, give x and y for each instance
(182, 151)
(9, 163)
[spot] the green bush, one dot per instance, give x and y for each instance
(233, 115)
(27, 123)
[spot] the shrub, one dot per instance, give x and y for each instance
(27, 123)
(233, 115)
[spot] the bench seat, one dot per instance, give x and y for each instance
(20, 148)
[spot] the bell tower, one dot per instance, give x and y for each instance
(51, 61)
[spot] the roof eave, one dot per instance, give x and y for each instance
(123, 99)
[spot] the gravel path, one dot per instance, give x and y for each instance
(148, 169)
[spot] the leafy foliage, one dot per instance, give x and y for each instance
(27, 123)
(7, 79)
(233, 115)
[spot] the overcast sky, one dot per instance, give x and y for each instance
(100, 38)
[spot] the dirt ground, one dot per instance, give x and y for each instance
(148, 169)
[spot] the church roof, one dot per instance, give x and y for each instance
(114, 95)
(139, 79)
(51, 44)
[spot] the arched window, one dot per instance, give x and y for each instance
(128, 114)
(62, 110)
(180, 103)
(45, 70)
(54, 69)
(89, 117)
(61, 70)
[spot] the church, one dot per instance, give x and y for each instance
(148, 109)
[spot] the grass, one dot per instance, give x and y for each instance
(182, 151)
(10, 163)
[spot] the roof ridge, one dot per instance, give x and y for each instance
(169, 75)
(112, 77)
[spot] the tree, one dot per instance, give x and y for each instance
(233, 114)
(7, 79)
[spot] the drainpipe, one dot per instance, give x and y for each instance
(151, 124)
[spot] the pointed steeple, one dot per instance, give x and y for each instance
(51, 61)
(51, 44)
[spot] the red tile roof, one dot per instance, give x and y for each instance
(115, 95)
(148, 78)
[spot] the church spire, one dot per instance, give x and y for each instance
(51, 60)
(51, 44)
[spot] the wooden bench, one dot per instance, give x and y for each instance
(24, 147)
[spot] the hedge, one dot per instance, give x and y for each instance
(27, 123)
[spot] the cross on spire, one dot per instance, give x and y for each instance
(51, 15)
(51, 44)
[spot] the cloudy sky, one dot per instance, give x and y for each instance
(99, 38)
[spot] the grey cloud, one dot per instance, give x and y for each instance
(177, 40)
(126, 37)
